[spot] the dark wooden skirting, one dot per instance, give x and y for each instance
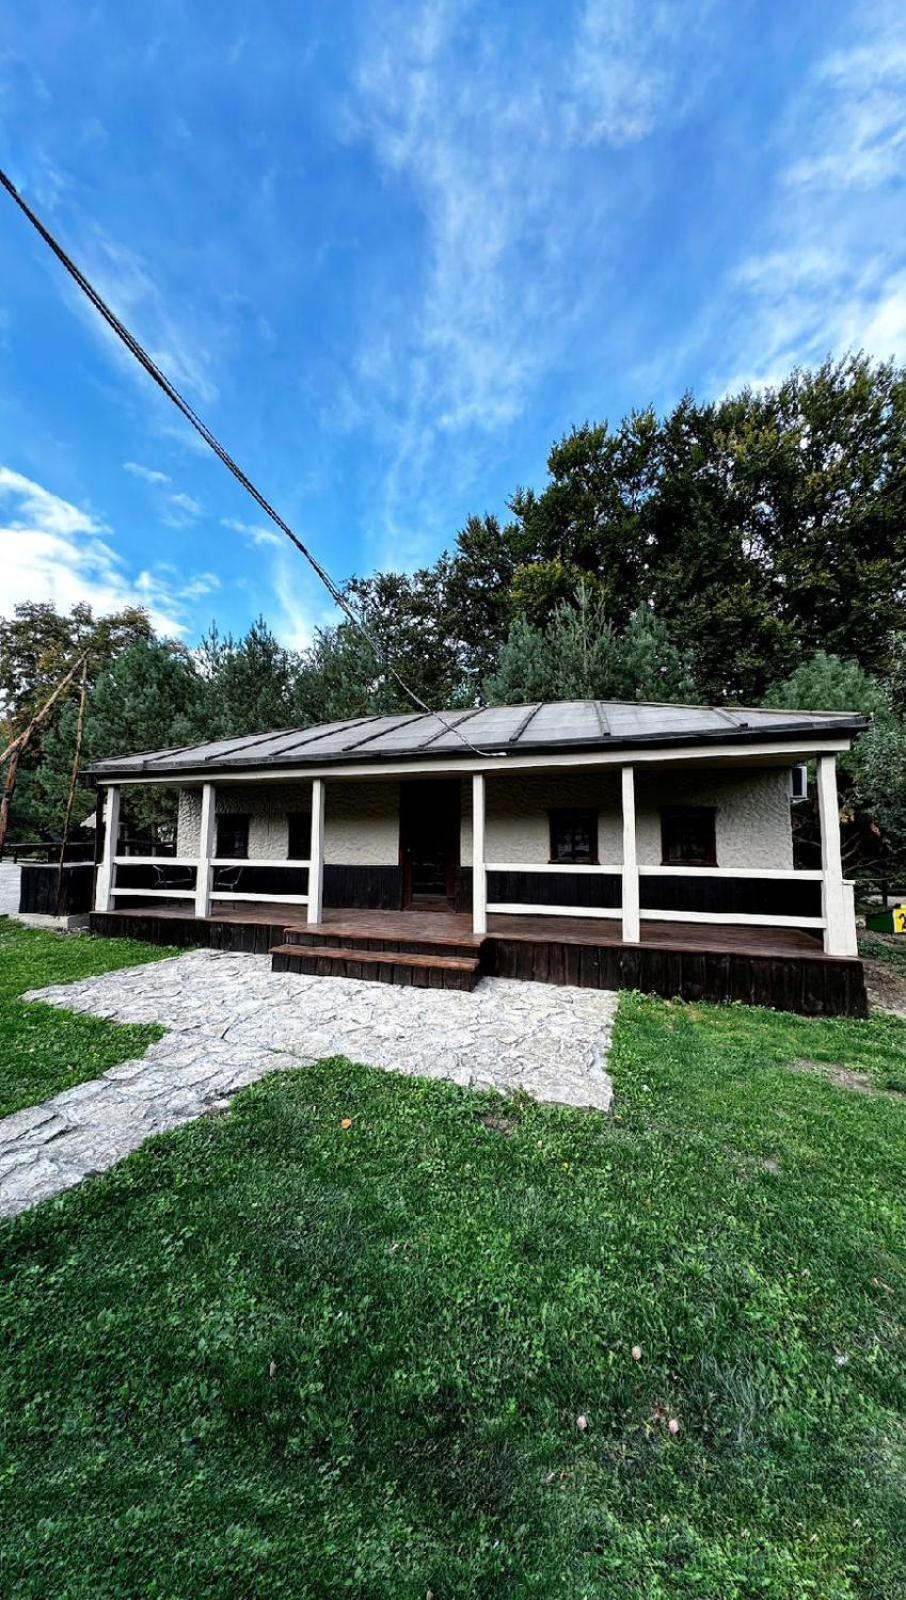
(462, 891)
(764, 897)
(784, 968)
(244, 936)
(774, 897)
(813, 986)
(38, 888)
(368, 888)
(555, 888)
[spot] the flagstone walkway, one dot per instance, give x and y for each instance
(231, 1020)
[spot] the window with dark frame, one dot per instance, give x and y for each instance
(298, 835)
(689, 836)
(233, 836)
(574, 836)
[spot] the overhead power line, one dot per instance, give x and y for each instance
(173, 394)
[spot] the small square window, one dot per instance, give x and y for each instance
(298, 835)
(689, 836)
(233, 836)
(574, 836)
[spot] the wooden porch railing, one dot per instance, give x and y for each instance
(836, 922)
(653, 913)
(199, 884)
(186, 890)
(237, 894)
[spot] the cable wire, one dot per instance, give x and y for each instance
(170, 390)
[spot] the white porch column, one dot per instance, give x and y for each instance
(479, 875)
(316, 852)
(203, 872)
(103, 896)
(631, 921)
(837, 900)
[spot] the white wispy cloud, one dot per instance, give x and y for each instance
(181, 509)
(53, 550)
(252, 531)
(859, 124)
(828, 271)
(299, 605)
(484, 128)
(625, 68)
(175, 344)
(148, 474)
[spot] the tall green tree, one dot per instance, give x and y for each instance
(38, 644)
(761, 528)
(479, 579)
(581, 656)
(248, 684)
(148, 698)
(414, 624)
(871, 777)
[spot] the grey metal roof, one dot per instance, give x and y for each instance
(493, 730)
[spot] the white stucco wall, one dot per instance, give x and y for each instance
(517, 825)
(362, 817)
(361, 825)
(754, 826)
(267, 807)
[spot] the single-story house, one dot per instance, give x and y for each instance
(596, 842)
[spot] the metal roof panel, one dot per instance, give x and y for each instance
(553, 726)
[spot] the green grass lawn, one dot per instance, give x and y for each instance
(43, 1050)
(272, 1356)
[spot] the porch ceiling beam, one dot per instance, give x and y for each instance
(788, 752)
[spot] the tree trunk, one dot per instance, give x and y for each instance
(76, 765)
(9, 789)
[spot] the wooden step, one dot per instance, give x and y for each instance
(417, 969)
(465, 949)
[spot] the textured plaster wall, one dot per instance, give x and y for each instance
(753, 814)
(517, 826)
(361, 825)
(362, 818)
(754, 827)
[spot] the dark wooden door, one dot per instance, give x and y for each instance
(429, 843)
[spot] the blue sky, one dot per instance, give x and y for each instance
(391, 251)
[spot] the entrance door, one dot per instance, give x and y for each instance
(429, 843)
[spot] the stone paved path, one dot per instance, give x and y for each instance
(232, 1020)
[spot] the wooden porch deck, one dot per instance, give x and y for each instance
(438, 925)
(785, 968)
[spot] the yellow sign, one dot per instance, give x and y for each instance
(899, 919)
